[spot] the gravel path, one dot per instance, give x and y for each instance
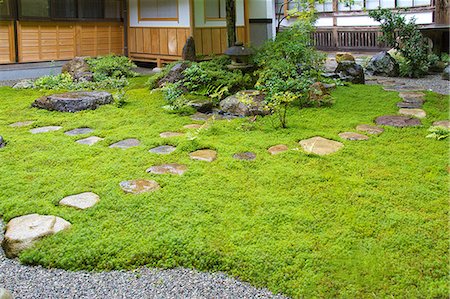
(37, 282)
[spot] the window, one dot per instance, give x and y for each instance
(64, 9)
(5, 10)
(326, 6)
(215, 9)
(113, 9)
(158, 10)
(35, 8)
(90, 9)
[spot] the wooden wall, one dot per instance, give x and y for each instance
(7, 52)
(41, 41)
(213, 40)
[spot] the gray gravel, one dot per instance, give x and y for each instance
(37, 282)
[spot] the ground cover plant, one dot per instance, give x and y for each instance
(368, 221)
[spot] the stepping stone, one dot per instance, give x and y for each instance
(139, 186)
(404, 95)
(409, 105)
(171, 168)
(90, 140)
(397, 121)
(127, 143)
(278, 149)
(79, 131)
(249, 156)
(442, 124)
(171, 134)
(23, 232)
(320, 146)
(388, 82)
(353, 136)
(5, 294)
(22, 124)
(80, 201)
(402, 88)
(200, 116)
(419, 113)
(45, 129)
(163, 149)
(204, 155)
(192, 126)
(413, 100)
(373, 130)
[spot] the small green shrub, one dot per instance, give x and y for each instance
(111, 66)
(120, 98)
(438, 133)
(57, 82)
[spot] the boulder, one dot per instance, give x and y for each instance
(23, 232)
(383, 64)
(174, 75)
(344, 56)
(24, 84)
(2, 142)
(446, 73)
(74, 101)
(245, 103)
(188, 52)
(351, 72)
(317, 92)
(78, 68)
(201, 105)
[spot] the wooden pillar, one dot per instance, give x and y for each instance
(335, 29)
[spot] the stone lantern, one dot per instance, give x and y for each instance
(239, 57)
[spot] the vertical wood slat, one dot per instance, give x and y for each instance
(7, 53)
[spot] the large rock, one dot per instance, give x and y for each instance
(188, 52)
(78, 68)
(201, 105)
(351, 72)
(23, 232)
(317, 93)
(174, 75)
(245, 103)
(383, 64)
(446, 73)
(344, 56)
(74, 101)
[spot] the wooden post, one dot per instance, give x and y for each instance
(231, 22)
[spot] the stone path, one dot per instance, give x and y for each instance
(45, 129)
(90, 140)
(171, 168)
(80, 201)
(204, 155)
(163, 150)
(79, 131)
(139, 186)
(247, 156)
(126, 144)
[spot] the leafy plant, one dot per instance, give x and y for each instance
(438, 133)
(111, 66)
(120, 98)
(279, 105)
(61, 81)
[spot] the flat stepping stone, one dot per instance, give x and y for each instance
(90, 140)
(74, 101)
(45, 129)
(139, 186)
(23, 232)
(79, 131)
(419, 113)
(409, 105)
(80, 201)
(278, 149)
(409, 95)
(398, 121)
(170, 134)
(389, 82)
(22, 124)
(442, 124)
(248, 156)
(127, 143)
(171, 168)
(204, 155)
(413, 100)
(353, 136)
(192, 126)
(320, 146)
(200, 116)
(369, 129)
(163, 150)
(402, 88)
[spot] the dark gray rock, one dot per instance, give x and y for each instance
(78, 68)
(351, 72)
(125, 144)
(74, 101)
(79, 131)
(249, 156)
(83, 77)
(202, 105)
(2, 142)
(174, 75)
(244, 103)
(398, 121)
(163, 150)
(188, 53)
(383, 64)
(446, 73)
(409, 105)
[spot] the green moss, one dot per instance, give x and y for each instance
(368, 221)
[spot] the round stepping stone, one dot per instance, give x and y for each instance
(22, 124)
(373, 130)
(80, 201)
(419, 113)
(45, 129)
(170, 134)
(249, 156)
(442, 123)
(353, 136)
(127, 143)
(22, 232)
(171, 168)
(409, 105)
(419, 95)
(79, 131)
(320, 146)
(278, 149)
(139, 186)
(200, 116)
(90, 140)
(192, 126)
(163, 150)
(397, 121)
(204, 155)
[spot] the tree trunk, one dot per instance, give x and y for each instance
(231, 22)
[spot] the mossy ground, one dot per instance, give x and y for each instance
(368, 221)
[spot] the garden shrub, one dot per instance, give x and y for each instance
(111, 66)
(407, 39)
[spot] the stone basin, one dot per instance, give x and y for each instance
(74, 101)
